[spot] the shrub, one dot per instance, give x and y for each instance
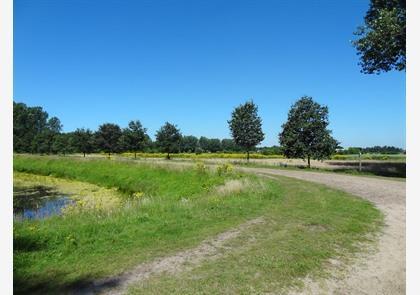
(224, 169)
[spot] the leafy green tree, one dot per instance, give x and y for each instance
(382, 39)
(61, 143)
(28, 123)
(43, 142)
(214, 145)
(245, 127)
(107, 138)
(168, 139)
(305, 134)
(204, 144)
(229, 145)
(134, 137)
(189, 144)
(54, 125)
(82, 141)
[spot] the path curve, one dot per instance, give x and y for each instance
(383, 272)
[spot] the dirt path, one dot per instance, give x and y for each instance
(182, 261)
(382, 272)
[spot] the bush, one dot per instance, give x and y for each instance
(224, 169)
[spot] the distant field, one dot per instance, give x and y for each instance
(378, 157)
(375, 164)
(205, 155)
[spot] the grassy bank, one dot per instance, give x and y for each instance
(306, 225)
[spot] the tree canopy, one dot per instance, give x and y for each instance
(107, 138)
(134, 137)
(245, 126)
(382, 39)
(305, 134)
(168, 138)
(82, 140)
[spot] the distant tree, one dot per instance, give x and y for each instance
(204, 144)
(133, 138)
(382, 39)
(82, 141)
(61, 144)
(189, 144)
(245, 127)
(43, 142)
(229, 145)
(28, 123)
(383, 150)
(107, 138)
(168, 139)
(305, 134)
(273, 150)
(215, 145)
(54, 125)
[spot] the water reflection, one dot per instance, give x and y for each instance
(37, 202)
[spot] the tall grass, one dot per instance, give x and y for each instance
(127, 177)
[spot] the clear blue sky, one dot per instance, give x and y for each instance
(191, 62)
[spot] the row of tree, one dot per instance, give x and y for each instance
(35, 132)
(371, 150)
(304, 135)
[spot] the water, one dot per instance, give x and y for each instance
(38, 202)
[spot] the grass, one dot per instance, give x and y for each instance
(220, 155)
(379, 157)
(398, 176)
(179, 209)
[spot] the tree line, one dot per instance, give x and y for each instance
(304, 135)
(35, 132)
(389, 150)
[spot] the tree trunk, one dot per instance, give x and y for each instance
(109, 155)
(135, 155)
(168, 157)
(247, 156)
(309, 161)
(84, 154)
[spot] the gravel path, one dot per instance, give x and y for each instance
(382, 272)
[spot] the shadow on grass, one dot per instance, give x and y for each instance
(388, 169)
(57, 283)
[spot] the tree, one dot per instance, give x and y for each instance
(214, 145)
(228, 145)
(305, 134)
(189, 144)
(204, 144)
(133, 138)
(43, 142)
(28, 123)
(54, 125)
(168, 139)
(245, 127)
(61, 143)
(82, 140)
(107, 138)
(382, 39)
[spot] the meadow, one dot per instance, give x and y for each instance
(161, 211)
(230, 155)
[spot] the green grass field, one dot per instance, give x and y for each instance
(165, 210)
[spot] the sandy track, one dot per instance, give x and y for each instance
(382, 272)
(182, 261)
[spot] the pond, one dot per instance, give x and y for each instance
(38, 202)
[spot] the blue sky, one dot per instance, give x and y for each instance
(191, 62)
